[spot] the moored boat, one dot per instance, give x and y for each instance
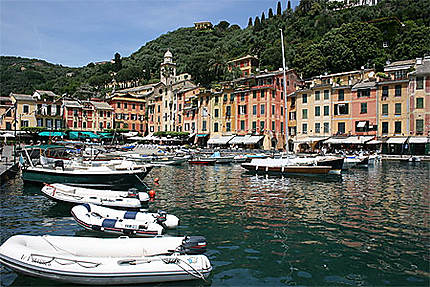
(221, 159)
(203, 161)
(318, 165)
(98, 218)
(107, 261)
(110, 198)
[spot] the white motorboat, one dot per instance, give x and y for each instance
(99, 218)
(221, 159)
(356, 161)
(111, 198)
(107, 261)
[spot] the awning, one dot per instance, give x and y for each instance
(202, 135)
(78, 135)
(397, 140)
(130, 134)
(51, 134)
(239, 139)
(419, 140)
(361, 124)
(310, 139)
(358, 139)
(252, 139)
(220, 140)
(335, 141)
(374, 142)
(6, 135)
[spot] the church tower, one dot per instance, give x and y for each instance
(168, 69)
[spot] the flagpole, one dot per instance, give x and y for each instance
(285, 92)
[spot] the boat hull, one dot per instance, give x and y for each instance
(120, 179)
(310, 170)
(202, 162)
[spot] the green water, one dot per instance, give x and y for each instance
(367, 227)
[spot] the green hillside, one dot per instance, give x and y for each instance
(319, 36)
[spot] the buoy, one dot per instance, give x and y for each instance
(151, 193)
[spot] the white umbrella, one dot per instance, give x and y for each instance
(6, 135)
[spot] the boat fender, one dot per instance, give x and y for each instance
(267, 168)
(282, 168)
(256, 167)
(193, 245)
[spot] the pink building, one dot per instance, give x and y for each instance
(363, 108)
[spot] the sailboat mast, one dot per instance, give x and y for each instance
(285, 92)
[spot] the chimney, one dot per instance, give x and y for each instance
(419, 61)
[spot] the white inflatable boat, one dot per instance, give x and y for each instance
(108, 261)
(94, 217)
(72, 194)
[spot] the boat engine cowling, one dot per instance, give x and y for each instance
(193, 245)
(167, 220)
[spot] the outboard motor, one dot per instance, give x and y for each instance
(194, 245)
(132, 192)
(161, 218)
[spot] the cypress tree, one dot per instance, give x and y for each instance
(257, 24)
(278, 9)
(289, 5)
(270, 13)
(250, 22)
(263, 17)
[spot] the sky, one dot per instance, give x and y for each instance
(75, 32)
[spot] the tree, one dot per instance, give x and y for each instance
(289, 5)
(117, 62)
(223, 25)
(263, 17)
(257, 24)
(270, 13)
(278, 9)
(250, 22)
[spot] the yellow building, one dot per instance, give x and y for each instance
(393, 99)
(25, 110)
(7, 114)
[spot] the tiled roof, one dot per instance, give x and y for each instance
(424, 68)
(22, 97)
(72, 104)
(48, 93)
(101, 105)
(364, 85)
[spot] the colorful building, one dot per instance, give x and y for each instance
(49, 112)
(247, 65)
(7, 114)
(419, 98)
(25, 110)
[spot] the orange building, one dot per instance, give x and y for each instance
(247, 65)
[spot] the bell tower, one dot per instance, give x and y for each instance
(167, 69)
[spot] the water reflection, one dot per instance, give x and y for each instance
(365, 227)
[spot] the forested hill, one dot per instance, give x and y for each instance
(319, 36)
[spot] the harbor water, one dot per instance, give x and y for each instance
(366, 227)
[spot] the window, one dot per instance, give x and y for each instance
(363, 93)
(108, 114)
(317, 128)
(398, 127)
(420, 126)
(363, 108)
(385, 128)
(282, 111)
(125, 105)
(262, 108)
(216, 100)
(317, 95)
(282, 127)
(133, 126)
(133, 106)
(25, 109)
(228, 127)
(304, 114)
(8, 126)
(118, 105)
(420, 103)
(254, 126)
(398, 109)
(326, 110)
(254, 110)
(341, 95)
(385, 109)
(75, 112)
(204, 126)
(362, 126)
(242, 110)
(384, 91)
(340, 128)
(263, 93)
(305, 128)
(228, 111)
(420, 83)
(262, 126)
(101, 114)
(141, 107)
(216, 113)
(40, 122)
(292, 116)
(326, 94)
(273, 125)
(326, 128)
(341, 109)
(398, 91)
(273, 110)
(273, 94)
(158, 108)
(242, 97)
(215, 127)
(317, 111)
(304, 99)
(242, 125)
(254, 94)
